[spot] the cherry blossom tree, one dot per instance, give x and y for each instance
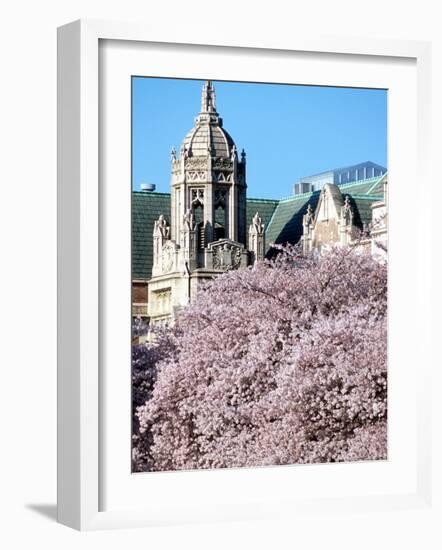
(145, 358)
(282, 363)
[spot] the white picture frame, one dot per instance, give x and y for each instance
(80, 264)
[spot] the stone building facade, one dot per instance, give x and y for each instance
(206, 234)
(379, 223)
(335, 222)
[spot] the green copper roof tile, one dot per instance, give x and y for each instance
(286, 223)
(146, 208)
(264, 207)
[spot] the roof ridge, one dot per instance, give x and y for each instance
(151, 193)
(360, 182)
(300, 196)
(364, 196)
(262, 200)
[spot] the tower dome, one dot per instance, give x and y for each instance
(208, 182)
(208, 137)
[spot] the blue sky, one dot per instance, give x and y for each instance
(287, 131)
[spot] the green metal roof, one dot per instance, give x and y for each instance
(286, 223)
(282, 218)
(363, 187)
(264, 207)
(363, 212)
(146, 208)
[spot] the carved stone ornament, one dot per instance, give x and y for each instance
(188, 220)
(226, 255)
(168, 257)
(379, 220)
(233, 153)
(195, 162)
(161, 227)
(220, 198)
(346, 211)
(308, 216)
(223, 176)
(257, 226)
(220, 162)
(196, 175)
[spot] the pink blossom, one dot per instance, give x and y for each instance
(282, 363)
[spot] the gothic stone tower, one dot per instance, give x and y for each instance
(207, 231)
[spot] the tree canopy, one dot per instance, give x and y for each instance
(282, 363)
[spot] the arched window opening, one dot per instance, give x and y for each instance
(198, 212)
(220, 214)
(220, 220)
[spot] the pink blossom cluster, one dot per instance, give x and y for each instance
(282, 363)
(145, 358)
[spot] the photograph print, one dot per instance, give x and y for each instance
(259, 274)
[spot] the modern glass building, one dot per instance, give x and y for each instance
(338, 176)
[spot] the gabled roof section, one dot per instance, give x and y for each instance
(336, 197)
(286, 223)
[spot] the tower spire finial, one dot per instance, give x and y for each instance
(208, 103)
